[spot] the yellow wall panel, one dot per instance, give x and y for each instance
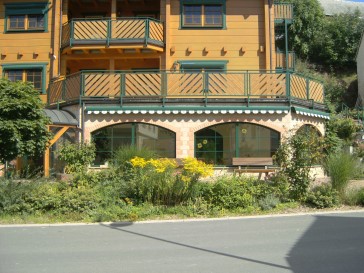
(243, 40)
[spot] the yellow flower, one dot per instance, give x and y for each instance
(244, 131)
(204, 142)
(199, 145)
(162, 164)
(192, 166)
(138, 162)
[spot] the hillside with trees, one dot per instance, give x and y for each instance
(326, 47)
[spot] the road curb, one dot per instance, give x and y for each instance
(312, 213)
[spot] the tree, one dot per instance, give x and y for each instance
(338, 43)
(23, 128)
(306, 27)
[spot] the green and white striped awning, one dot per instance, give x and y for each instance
(311, 113)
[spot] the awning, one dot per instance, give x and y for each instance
(60, 117)
(186, 110)
(310, 113)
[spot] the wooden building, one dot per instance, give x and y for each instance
(196, 78)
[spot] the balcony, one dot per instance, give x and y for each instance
(184, 88)
(283, 12)
(118, 33)
(283, 63)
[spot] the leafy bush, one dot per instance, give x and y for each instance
(78, 156)
(268, 202)
(341, 167)
(231, 194)
(354, 197)
(279, 185)
(295, 156)
(41, 197)
(323, 196)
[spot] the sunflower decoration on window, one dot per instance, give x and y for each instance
(204, 145)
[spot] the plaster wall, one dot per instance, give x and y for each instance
(186, 125)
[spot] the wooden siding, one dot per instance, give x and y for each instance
(32, 47)
(242, 43)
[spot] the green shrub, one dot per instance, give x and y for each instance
(341, 167)
(12, 195)
(279, 185)
(230, 193)
(295, 156)
(268, 202)
(354, 197)
(323, 196)
(77, 156)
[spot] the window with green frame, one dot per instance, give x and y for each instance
(20, 17)
(33, 73)
(111, 138)
(218, 144)
(203, 13)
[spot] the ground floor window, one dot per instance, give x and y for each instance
(220, 143)
(110, 139)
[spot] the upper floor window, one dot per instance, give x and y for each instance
(33, 73)
(26, 17)
(203, 14)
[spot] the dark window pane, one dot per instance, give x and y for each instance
(17, 22)
(192, 14)
(36, 21)
(35, 76)
(213, 15)
(14, 75)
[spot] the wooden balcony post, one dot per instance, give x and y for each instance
(113, 9)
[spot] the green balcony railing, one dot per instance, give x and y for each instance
(284, 61)
(169, 84)
(283, 11)
(113, 31)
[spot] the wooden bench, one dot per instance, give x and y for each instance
(254, 165)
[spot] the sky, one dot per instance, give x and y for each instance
(356, 0)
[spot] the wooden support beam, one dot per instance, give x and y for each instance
(48, 149)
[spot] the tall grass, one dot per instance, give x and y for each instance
(340, 167)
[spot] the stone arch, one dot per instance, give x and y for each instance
(267, 124)
(235, 139)
(309, 127)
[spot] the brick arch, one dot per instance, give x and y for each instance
(265, 124)
(310, 124)
(112, 122)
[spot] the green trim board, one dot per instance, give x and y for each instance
(202, 3)
(25, 66)
(198, 64)
(33, 8)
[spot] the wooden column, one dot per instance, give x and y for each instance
(113, 9)
(166, 19)
(267, 25)
(65, 11)
(112, 64)
(47, 152)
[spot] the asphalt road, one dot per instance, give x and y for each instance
(332, 243)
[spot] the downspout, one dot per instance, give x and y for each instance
(270, 34)
(60, 36)
(83, 122)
